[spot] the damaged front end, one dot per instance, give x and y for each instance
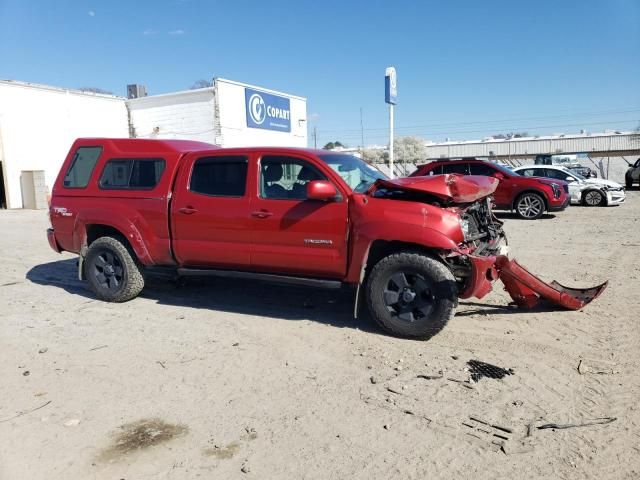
(481, 258)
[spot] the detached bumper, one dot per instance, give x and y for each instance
(526, 289)
(53, 243)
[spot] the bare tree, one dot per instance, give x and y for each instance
(409, 149)
(375, 155)
(95, 90)
(202, 83)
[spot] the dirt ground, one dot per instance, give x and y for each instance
(229, 379)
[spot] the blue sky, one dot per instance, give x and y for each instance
(466, 69)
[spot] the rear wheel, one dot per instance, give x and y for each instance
(593, 198)
(530, 206)
(113, 272)
(411, 295)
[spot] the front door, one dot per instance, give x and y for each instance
(210, 212)
(292, 234)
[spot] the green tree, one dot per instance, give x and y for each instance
(332, 145)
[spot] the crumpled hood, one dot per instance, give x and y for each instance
(602, 182)
(449, 187)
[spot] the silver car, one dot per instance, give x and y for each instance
(591, 192)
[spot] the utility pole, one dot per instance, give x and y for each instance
(315, 137)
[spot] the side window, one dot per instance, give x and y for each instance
(637, 165)
(132, 173)
(479, 169)
(81, 167)
(461, 168)
(437, 170)
(557, 174)
(224, 176)
(286, 177)
(529, 172)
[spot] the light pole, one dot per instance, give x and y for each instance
(390, 95)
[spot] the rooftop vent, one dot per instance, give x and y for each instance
(136, 91)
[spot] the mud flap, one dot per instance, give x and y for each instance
(527, 290)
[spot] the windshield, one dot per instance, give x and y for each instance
(573, 173)
(504, 169)
(358, 174)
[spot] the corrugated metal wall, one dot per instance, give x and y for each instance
(601, 144)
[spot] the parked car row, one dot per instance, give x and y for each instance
(591, 192)
(532, 190)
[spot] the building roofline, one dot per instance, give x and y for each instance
(74, 91)
(616, 133)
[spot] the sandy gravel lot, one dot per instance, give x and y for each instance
(228, 379)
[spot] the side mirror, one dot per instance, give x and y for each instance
(499, 175)
(570, 179)
(321, 190)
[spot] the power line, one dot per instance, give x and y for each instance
(538, 127)
(487, 122)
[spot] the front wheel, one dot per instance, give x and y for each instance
(593, 198)
(530, 206)
(113, 272)
(628, 181)
(411, 295)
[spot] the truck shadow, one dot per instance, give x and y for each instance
(471, 308)
(331, 307)
(513, 216)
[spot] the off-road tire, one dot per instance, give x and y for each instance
(589, 202)
(132, 278)
(442, 289)
(533, 197)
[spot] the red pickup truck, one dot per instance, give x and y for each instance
(292, 215)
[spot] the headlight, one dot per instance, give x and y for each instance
(556, 190)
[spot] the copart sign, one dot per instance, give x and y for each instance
(267, 111)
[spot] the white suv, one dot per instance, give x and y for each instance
(633, 174)
(591, 192)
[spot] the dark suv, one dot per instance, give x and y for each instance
(528, 197)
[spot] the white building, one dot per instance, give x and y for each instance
(38, 123)
(37, 126)
(230, 114)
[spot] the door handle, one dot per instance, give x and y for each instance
(261, 214)
(187, 210)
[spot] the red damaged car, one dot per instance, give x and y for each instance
(529, 197)
(413, 246)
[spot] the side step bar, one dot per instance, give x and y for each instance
(282, 279)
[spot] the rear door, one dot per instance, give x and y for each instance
(210, 211)
(292, 234)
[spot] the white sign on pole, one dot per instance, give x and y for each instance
(390, 96)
